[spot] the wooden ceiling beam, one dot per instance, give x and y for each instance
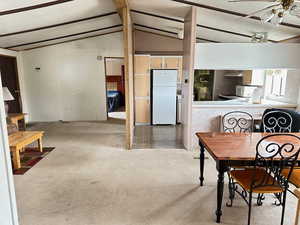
(65, 36)
(58, 24)
(33, 7)
(228, 12)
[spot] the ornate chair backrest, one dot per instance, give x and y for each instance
(274, 153)
(277, 121)
(237, 122)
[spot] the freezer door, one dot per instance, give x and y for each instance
(164, 105)
(165, 77)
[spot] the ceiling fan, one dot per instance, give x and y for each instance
(275, 13)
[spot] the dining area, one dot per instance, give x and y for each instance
(257, 164)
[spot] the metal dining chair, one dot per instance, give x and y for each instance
(265, 177)
(277, 121)
(237, 121)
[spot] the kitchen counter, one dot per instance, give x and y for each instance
(237, 103)
(206, 114)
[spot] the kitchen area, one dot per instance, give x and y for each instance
(217, 92)
(157, 94)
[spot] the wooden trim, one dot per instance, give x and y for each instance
(170, 32)
(58, 24)
(163, 35)
(204, 39)
(65, 36)
(77, 39)
(38, 6)
(160, 53)
(229, 12)
(153, 28)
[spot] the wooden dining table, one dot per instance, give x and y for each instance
(231, 149)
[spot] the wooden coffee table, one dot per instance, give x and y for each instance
(19, 140)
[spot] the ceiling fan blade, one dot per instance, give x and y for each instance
(295, 10)
(261, 10)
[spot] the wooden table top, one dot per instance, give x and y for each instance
(237, 146)
(20, 136)
(20, 115)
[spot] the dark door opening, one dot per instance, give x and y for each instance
(10, 79)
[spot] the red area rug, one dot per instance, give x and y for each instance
(30, 157)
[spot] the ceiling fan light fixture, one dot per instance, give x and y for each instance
(268, 16)
(277, 19)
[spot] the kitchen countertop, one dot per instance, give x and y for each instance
(236, 103)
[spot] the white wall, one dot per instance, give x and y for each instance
(241, 56)
(292, 88)
(70, 84)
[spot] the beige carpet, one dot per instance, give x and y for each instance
(90, 180)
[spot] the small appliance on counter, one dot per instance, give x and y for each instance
(163, 97)
(245, 91)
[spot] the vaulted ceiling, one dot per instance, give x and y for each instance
(29, 24)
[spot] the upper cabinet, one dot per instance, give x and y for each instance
(253, 77)
(171, 62)
(142, 64)
(167, 62)
(157, 62)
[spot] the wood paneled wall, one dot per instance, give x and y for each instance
(189, 43)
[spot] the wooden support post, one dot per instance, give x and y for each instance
(124, 12)
(189, 44)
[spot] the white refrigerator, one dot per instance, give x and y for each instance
(163, 96)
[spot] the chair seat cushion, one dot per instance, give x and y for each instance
(244, 178)
(295, 176)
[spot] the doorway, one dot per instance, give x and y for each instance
(10, 79)
(115, 87)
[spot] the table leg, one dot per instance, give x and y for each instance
(16, 159)
(221, 169)
(40, 144)
(202, 149)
